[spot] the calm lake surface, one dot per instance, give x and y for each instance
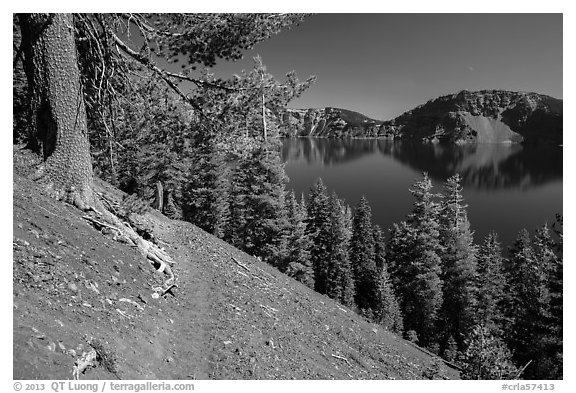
(506, 187)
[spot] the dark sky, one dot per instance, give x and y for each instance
(384, 64)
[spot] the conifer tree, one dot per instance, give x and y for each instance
(556, 302)
(527, 306)
(451, 353)
(339, 275)
(205, 191)
(387, 309)
(423, 297)
(318, 229)
(362, 256)
(556, 281)
(298, 264)
(258, 218)
(549, 362)
(486, 357)
(379, 247)
(458, 265)
(400, 255)
(490, 283)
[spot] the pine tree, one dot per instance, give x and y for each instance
(490, 283)
(486, 357)
(379, 247)
(318, 229)
(400, 255)
(298, 264)
(423, 299)
(258, 216)
(451, 353)
(556, 300)
(458, 265)
(387, 309)
(548, 365)
(362, 256)
(527, 306)
(205, 191)
(339, 275)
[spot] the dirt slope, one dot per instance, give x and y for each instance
(233, 317)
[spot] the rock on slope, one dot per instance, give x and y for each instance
(233, 317)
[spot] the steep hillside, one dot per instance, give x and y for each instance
(76, 288)
(327, 122)
(482, 116)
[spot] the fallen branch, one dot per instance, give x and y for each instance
(101, 224)
(132, 302)
(446, 362)
(342, 358)
(239, 263)
(272, 310)
(123, 314)
(268, 308)
(47, 211)
(522, 370)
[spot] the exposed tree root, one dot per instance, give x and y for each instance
(101, 216)
(101, 212)
(158, 257)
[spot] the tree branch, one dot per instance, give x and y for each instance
(146, 61)
(138, 20)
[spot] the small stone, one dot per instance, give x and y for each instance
(51, 347)
(73, 287)
(169, 359)
(227, 342)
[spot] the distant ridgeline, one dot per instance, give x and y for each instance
(487, 116)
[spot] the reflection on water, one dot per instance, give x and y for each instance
(507, 187)
(491, 166)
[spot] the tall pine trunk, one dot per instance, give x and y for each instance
(57, 112)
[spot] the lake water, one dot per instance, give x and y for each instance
(506, 187)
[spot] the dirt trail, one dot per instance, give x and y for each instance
(232, 316)
(73, 283)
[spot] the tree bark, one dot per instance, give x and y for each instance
(159, 197)
(57, 111)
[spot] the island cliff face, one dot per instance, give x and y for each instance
(487, 116)
(329, 123)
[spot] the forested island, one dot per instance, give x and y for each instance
(487, 116)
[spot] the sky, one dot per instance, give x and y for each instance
(385, 64)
